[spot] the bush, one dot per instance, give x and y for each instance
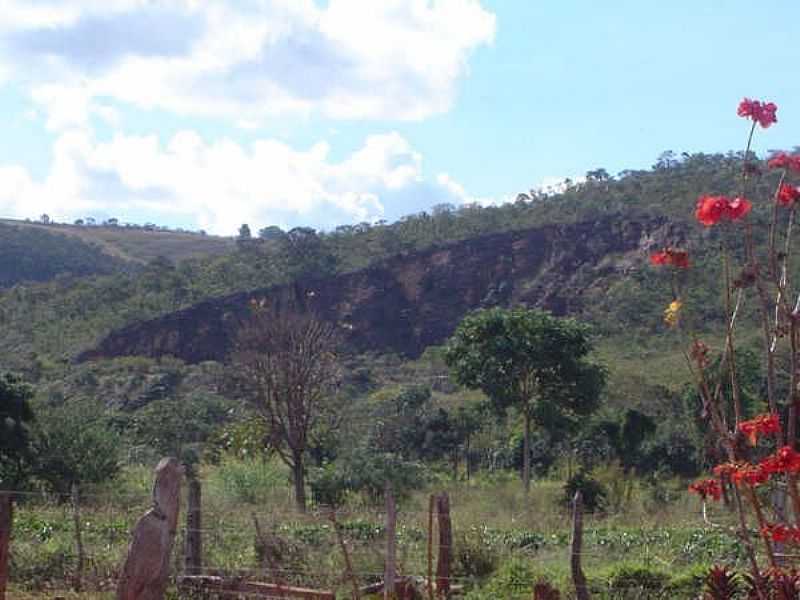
(365, 472)
(513, 581)
(593, 493)
(475, 555)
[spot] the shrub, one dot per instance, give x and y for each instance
(514, 580)
(475, 555)
(593, 493)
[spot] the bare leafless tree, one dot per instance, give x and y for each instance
(285, 365)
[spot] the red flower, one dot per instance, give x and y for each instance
(761, 425)
(781, 160)
(738, 208)
(761, 113)
(785, 460)
(671, 256)
(711, 210)
(752, 475)
(787, 194)
(706, 488)
(781, 533)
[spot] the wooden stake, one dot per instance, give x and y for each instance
(76, 519)
(6, 522)
(445, 546)
(146, 570)
(194, 528)
(390, 568)
(578, 578)
(431, 502)
(347, 564)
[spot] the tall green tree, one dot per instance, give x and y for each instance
(16, 417)
(74, 443)
(530, 360)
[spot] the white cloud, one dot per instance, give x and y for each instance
(351, 59)
(219, 185)
(457, 191)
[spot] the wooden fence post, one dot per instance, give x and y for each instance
(445, 546)
(431, 506)
(390, 568)
(347, 563)
(578, 578)
(76, 519)
(6, 521)
(146, 570)
(194, 528)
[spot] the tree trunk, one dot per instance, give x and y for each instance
(578, 578)
(299, 476)
(526, 454)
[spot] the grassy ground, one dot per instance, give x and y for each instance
(496, 530)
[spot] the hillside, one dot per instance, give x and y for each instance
(584, 254)
(413, 301)
(134, 244)
(30, 254)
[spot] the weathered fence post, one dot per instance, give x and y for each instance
(194, 528)
(390, 568)
(347, 563)
(445, 546)
(6, 521)
(76, 519)
(431, 506)
(578, 578)
(146, 569)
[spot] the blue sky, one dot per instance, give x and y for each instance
(295, 112)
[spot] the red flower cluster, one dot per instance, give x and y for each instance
(713, 209)
(671, 256)
(706, 488)
(781, 533)
(752, 475)
(781, 160)
(788, 194)
(761, 425)
(785, 460)
(762, 113)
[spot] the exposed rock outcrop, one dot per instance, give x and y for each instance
(412, 301)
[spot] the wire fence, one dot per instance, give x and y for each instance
(332, 551)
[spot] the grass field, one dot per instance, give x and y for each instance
(500, 537)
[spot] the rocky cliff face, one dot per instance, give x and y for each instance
(413, 301)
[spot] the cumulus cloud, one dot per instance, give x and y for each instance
(348, 59)
(219, 185)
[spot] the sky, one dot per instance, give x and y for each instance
(206, 114)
